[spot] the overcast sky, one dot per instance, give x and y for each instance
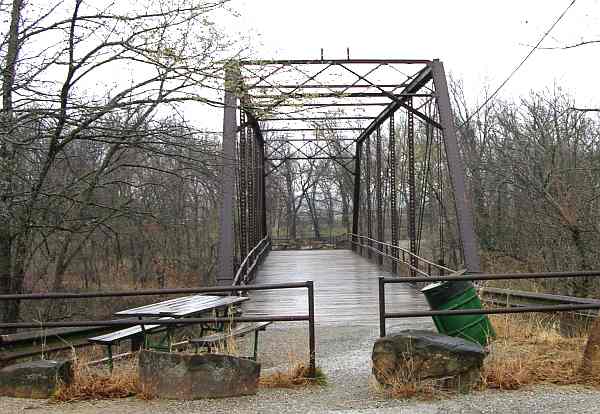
(480, 42)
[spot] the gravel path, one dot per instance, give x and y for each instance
(344, 355)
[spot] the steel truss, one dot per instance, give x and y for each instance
(332, 110)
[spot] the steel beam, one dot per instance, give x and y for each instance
(368, 191)
(393, 191)
(226, 249)
(412, 191)
(466, 227)
(356, 198)
(252, 189)
(243, 189)
(333, 62)
(264, 190)
(311, 158)
(273, 140)
(340, 95)
(378, 194)
(414, 86)
(319, 118)
(311, 129)
(321, 105)
(327, 86)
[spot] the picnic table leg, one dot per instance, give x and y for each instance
(136, 343)
(143, 334)
(110, 358)
(255, 345)
(169, 338)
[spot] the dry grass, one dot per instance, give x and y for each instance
(401, 387)
(297, 375)
(92, 383)
(407, 384)
(530, 350)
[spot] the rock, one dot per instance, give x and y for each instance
(36, 379)
(417, 355)
(194, 376)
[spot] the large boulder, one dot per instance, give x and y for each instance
(36, 379)
(414, 355)
(194, 376)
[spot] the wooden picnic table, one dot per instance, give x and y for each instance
(179, 308)
(187, 306)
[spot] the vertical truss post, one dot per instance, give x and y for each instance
(252, 188)
(466, 228)
(356, 199)
(243, 191)
(442, 255)
(368, 195)
(262, 172)
(257, 189)
(412, 202)
(226, 249)
(378, 196)
(393, 193)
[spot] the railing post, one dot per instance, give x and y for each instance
(381, 307)
(311, 329)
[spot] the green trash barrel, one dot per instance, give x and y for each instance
(458, 295)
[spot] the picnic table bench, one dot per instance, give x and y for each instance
(177, 308)
(212, 341)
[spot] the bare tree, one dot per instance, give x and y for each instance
(81, 77)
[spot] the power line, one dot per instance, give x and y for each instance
(533, 49)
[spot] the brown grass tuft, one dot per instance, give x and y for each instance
(407, 384)
(297, 375)
(530, 350)
(420, 389)
(94, 384)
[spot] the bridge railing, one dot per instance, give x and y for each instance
(124, 323)
(384, 315)
(247, 269)
(302, 241)
(400, 255)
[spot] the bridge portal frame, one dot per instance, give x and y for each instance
(256, 108)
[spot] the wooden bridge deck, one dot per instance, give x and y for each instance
(346, 289)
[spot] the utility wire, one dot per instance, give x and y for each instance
(533, 49)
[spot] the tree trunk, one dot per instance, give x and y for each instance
(8, 309)
(290, 207)
(10, 280)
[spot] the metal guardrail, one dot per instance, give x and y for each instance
(31, 343)
(303, 241)
(122, 323)
(399, 255)
(247, 269)
(384, 315)
(517, 298)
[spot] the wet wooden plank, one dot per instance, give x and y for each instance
(346, 289)
(184, 306)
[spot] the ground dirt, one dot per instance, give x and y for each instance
(343, 353)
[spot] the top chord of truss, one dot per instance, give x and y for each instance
(333, 61)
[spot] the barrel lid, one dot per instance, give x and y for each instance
(431, 286)
(438, 294)
(437, 284)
